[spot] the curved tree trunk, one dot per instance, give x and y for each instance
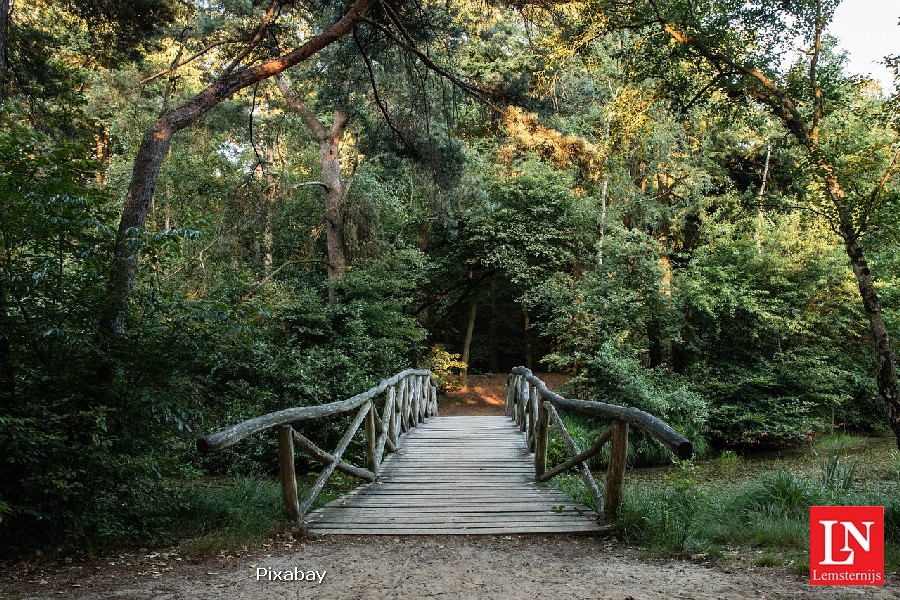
(156, 140)
(4, 29)
(884, 353)
(335, 188)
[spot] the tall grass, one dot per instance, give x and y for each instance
(211, 515)
(768, 514)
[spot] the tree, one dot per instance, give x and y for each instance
(335, 189)
(4, 28)
(159, 135)
(739, 49)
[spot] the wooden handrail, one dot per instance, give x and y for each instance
(235, 433)
(533, 407)
(411, 398)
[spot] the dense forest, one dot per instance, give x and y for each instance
(214, 209)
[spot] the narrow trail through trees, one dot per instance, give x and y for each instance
(484, 395)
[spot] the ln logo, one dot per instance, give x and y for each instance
(846, 545)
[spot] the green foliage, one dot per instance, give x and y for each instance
(572, 486)
(610, 377)
(793, 372)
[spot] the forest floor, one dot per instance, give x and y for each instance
(485, 395)
(447, 567)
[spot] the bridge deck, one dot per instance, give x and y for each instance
(456, 475)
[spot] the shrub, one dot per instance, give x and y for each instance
(449, 371)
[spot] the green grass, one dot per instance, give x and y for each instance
(767, 560)
(759, 505)
(213, 514)
(228, 515)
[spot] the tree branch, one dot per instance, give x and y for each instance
(308, 117)
(813, 81)
(873, 197)
(312, 184)
(189, 59)
(378, 102)
(785, 108)
(268, 18)
(408, 44)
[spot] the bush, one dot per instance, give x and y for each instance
(609, 377)
(449, 371)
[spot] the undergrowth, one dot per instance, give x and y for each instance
(765, 518)
(243, 511)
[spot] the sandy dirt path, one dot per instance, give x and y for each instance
(450, 567)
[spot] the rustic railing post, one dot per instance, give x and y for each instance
(615, 474)
(533, 399)
(434, 404)
(286, 471)
(371, 462)
(541, 437)
(523, 401)
(404, 405)
(511, 384)
(420, 398)
(393, 422)
(414, 402)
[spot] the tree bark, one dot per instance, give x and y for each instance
(470, 331)
(335, 188)
(4, 30)
(156, 140)
(335, 194)
(887, 370)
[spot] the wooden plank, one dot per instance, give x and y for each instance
(438, 504)
(363, 513)
(470, 475)
(495, 529)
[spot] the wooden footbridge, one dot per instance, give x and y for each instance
(427, 474)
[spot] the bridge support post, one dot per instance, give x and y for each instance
(371, 462)
(615, 474)
(523, 402)
(286, 471)
(404, 405)
(532, 410)
(391, 408)
(541, 437)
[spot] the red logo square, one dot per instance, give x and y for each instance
(846, 545)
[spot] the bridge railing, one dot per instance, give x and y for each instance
(533, 407)
(410, 398)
